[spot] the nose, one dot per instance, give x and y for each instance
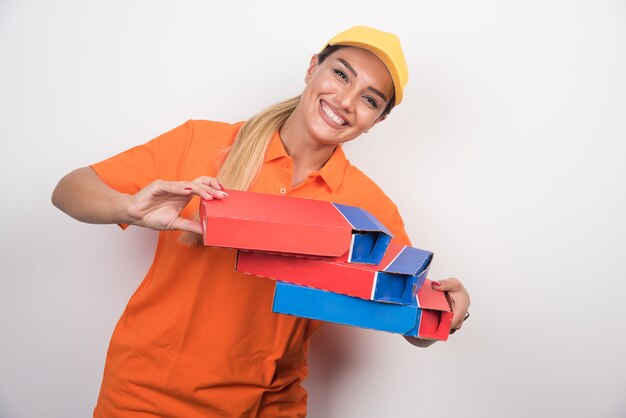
(347, 99)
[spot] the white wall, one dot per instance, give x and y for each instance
(507, 159)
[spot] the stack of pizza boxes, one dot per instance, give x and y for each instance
(331, 262)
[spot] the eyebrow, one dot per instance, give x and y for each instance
(353, 71)
(348, 66)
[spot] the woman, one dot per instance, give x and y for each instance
(198, 339)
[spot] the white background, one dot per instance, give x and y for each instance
(507, 159)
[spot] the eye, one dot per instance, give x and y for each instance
(372, 102)
(341, 75)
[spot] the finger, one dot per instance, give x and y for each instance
(457, 321)
(460, 306)
(451, 284)
(190, 225)
(211, 182)
(204, 191)
(172, 187)
(214, 189)
(457, 324)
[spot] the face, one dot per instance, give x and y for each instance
(345, 95)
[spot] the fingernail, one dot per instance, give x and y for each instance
(224, 193)
(436, 284)
(220, 184)
(187, 188)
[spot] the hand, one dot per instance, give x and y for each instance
(460, 300)
(159, 204)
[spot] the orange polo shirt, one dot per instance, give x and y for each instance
(198, 339)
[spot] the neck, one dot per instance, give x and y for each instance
(307, 154)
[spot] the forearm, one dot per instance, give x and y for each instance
(85, 197)
(419, 342)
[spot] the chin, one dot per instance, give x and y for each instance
(327, 137)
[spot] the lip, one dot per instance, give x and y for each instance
(328, 120)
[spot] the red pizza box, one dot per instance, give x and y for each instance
(280, 224)
(395, 279)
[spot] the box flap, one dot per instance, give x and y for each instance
(435, 314)
(407, 260)
(428, 298)
(434, 325)
(361, 220)
(371, 237)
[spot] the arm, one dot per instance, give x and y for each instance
(85, 197)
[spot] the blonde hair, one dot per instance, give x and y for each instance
(244, 159)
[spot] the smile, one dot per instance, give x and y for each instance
(338, 120)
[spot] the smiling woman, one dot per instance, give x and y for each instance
(198, 339)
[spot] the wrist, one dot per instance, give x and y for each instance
(121, 209)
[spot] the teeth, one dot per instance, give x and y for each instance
(333, 115)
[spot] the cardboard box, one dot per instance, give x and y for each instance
(262, 222)
(429, 316)
(395, 279)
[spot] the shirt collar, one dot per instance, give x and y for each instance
(275, 149)
(332, 172)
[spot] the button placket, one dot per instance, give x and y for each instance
(285, 176)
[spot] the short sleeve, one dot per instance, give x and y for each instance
(160, 158)
(396, 225)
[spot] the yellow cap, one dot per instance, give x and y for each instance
(385, 45)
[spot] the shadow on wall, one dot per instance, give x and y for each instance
(334, 352)
(3, 411)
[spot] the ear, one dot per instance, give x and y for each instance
(311, 69)
(380, 119)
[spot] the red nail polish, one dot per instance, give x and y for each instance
(220, 184)
(436, 284)
(187, 188)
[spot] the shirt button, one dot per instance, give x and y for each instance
(283, 190)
